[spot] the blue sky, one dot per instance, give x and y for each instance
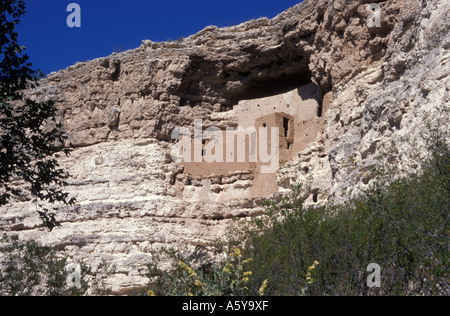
(107, 25)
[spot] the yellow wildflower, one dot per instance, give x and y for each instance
(189, 270)
(199, 284)
(182, 264)
(309, 278)
(311, 268)
(247, 261)
(150, 293)
(263, 288)
(226, 270)
(236, 253)
(248, 273)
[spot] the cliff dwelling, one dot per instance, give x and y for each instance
(239, 161)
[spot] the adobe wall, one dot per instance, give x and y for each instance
(295, 114)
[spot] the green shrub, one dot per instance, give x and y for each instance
(401, 225)
(227, 278)
(28, 269)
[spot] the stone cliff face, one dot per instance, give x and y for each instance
(337, 87)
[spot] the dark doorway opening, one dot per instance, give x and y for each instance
(286, 126)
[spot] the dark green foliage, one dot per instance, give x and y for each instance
(28, 269)
(30, 132)
(401, 225)
(227, 278)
